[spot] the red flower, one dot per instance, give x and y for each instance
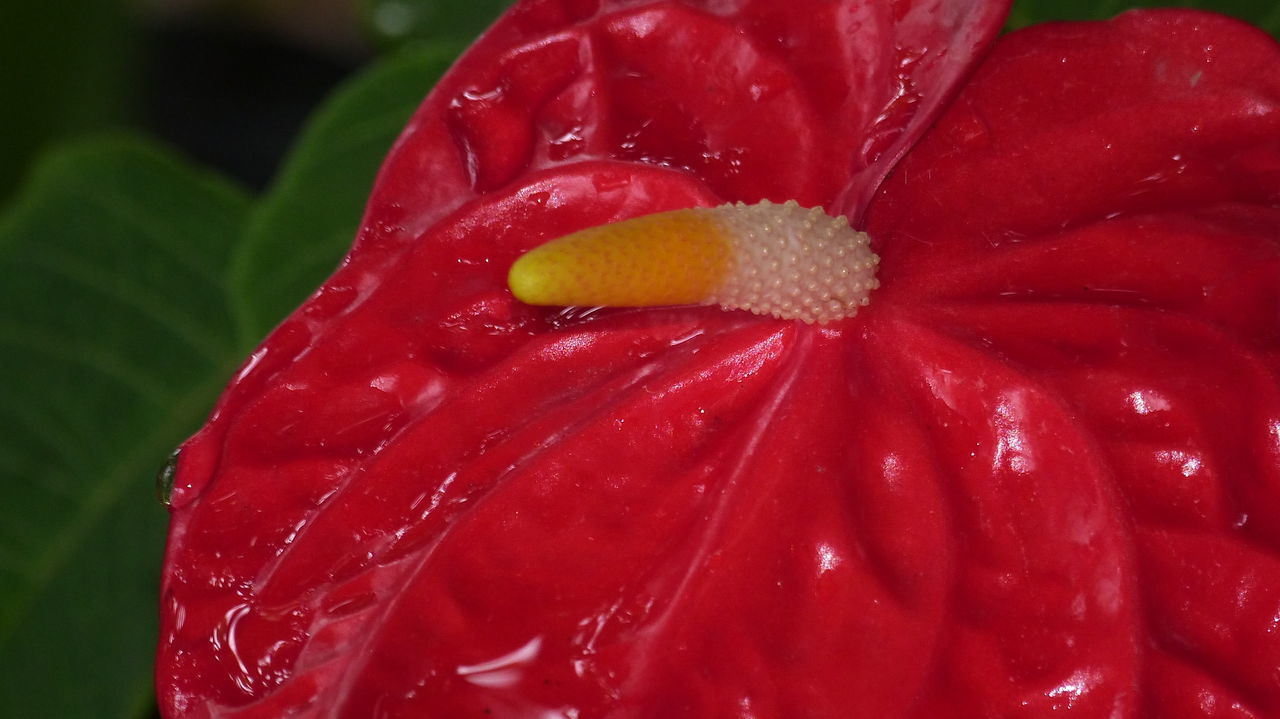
(1039, 475)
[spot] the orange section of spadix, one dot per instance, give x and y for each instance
(670, 258)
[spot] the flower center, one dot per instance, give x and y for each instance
(780, 260)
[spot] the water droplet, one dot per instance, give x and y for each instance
(165, 477)
(568, 144)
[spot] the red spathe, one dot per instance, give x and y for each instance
(1038, 476)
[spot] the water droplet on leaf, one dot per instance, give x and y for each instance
(165, 477)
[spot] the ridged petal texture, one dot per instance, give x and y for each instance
(1038, 476)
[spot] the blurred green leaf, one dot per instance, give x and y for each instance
(134, 286)
(67, 69)
(394, 22)
(306, 222)
(1263, 13)
(114, 340)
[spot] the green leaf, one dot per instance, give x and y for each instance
(67, 68)
(134, 286)
(394, 22)
(114, 340)
(309, 217)
(1263, 13)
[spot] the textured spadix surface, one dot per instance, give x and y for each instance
(1038, 476)
(780, 260)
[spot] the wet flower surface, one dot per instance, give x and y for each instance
(1039, 475)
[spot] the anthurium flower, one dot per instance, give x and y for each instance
(1037, 474)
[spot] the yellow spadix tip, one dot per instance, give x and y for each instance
(670, 258)
(779, 260)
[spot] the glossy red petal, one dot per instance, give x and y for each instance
(1039, 475)
(1118, 244)
(1072, 124)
